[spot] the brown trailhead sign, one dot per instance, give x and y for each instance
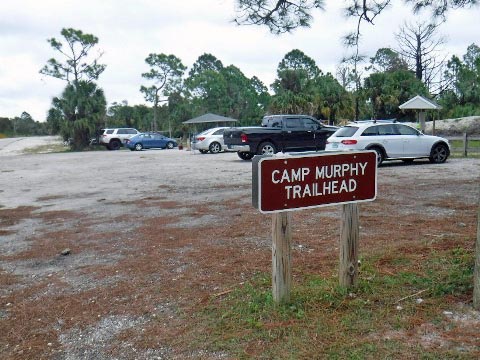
(292, 182)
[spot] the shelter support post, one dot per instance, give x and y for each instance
(421, 119)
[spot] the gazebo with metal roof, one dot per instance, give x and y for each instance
(210, 118)
(421, 104)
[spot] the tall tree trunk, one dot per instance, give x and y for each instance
(357, 107)
(418, 59)
(155, 107)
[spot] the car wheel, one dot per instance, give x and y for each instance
(215, 147)
(380, 155)
(170, 145)
(138, 147)
(114, 145)
(439, 154)
(245, 155)
(266, 148)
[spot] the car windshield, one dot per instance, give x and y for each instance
(346, 131)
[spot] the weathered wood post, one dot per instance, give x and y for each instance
(349, 235)
(465, 144)
(476, 271)
(281, 257)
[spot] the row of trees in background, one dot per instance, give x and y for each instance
(389, 79)
(360, 88)
(300, 87)
(22, 125)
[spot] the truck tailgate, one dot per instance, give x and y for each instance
(233, 136)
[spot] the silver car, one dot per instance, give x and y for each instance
(210, 140)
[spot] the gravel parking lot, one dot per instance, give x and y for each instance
(78, 181)
(148, 234)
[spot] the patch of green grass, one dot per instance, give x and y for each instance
(58, 148)
(473, 149)
(452, 274)
(48, 148)
(460, 154)
(459, 144)
(324, 320)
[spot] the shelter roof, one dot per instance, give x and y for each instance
(209, 118)
(420, 103)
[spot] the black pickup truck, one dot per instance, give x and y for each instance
(278, 133)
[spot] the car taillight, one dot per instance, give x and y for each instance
(244, 138)
(201, 138)
(349, 142)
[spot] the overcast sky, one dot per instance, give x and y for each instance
(129, 30)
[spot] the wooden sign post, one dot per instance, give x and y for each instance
(281, 257)
(284, 183)
(349, 235)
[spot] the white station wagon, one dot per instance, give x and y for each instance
(390, 140)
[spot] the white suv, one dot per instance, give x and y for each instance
(114, 138)
(390, 140)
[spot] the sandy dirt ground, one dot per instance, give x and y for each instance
(148, 235)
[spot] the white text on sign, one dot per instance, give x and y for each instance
(319, 188)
